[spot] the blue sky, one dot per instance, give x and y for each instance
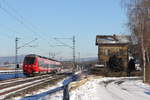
(58, 18)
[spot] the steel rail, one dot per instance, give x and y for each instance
(24, 79)
(8, 91)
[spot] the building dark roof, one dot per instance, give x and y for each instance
(112, 39)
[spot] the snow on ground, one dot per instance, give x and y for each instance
(112, 89)
(108, 89)
(101, 89)
(10, 71)
(55, 96)
(40, 94)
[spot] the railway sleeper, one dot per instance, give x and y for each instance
(30, 90)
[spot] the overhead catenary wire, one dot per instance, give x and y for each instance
(27, 43)
(33, 26)
(72, 47)
(10, 29)
(64, 44)
(18, 20)
(27, 24)
(21, 18)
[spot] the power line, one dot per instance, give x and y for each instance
(10, 29)
(26, 43)
(19, 16)
(16, 52)
(18, 20)
(72, 47)
(23, 21)
(45, 36)
(63, 44)
(27, 24)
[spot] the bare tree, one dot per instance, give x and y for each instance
(138, 12)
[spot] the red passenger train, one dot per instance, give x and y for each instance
(35, 64)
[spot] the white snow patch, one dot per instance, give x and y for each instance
(10, 71)
(106, 89)
(99, 89)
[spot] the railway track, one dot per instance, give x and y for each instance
(10, 81)
(9, 88)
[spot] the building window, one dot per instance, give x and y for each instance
(107, 52)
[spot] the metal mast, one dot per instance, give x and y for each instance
(18, 47)
(73, 47)
(16, 53)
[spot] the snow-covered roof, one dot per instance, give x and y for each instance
(112, 39)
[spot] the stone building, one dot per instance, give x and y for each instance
(109, 45)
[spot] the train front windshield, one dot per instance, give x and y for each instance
(29, 60)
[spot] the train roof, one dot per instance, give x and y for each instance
(34, 55)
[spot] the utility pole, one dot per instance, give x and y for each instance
(49, 55)
(78, 57)
(16, 52)
(74, 56)
(72, 47)
(52, 55)
(16, 55)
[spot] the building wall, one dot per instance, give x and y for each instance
(146, 44)
(147, 73)
(105, 51)
(147, 66)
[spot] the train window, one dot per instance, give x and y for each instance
(52, 66)
(41, 63)
(29, 60)
(45, 65)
